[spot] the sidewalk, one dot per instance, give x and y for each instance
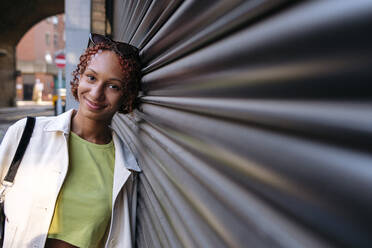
(27, 105)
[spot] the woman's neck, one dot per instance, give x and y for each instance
(94, 131)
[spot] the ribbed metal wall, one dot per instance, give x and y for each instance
(256, 123)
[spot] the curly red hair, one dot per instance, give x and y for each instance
(130, 66)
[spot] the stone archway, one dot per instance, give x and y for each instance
(16, 18)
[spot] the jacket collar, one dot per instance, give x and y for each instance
(62, 123)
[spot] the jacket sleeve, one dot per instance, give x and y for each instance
(9, 146)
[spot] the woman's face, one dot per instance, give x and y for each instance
(100, 90)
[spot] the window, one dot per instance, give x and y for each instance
(47, 39)
(55, 40)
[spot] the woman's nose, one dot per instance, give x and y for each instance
(97, 92)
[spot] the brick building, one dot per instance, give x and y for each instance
(35, 59)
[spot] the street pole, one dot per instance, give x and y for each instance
(59, 86)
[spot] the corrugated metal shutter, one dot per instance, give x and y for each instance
(256, 123)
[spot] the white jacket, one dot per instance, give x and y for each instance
(29, 203)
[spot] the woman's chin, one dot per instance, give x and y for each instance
(97, 115)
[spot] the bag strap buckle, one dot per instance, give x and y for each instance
(3, 187)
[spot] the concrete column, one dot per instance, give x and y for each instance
(77, 25)
(7, 75)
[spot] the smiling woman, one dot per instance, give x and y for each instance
(86, 177)
(101, 89)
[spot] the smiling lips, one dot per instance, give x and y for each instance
(93, 105)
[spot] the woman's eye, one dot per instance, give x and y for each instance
(113, 86)
(91, 78)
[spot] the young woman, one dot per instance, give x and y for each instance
(76, 184)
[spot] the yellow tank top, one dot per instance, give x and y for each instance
(83, 208)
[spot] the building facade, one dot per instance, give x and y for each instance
(36, 71)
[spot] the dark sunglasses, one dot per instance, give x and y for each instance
(124, 49)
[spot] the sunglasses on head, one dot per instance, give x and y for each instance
(124, 49)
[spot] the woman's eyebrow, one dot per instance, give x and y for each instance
(116, 79)
(92, 70)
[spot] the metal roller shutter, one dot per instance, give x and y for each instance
(255, 127)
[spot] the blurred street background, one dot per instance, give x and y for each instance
(39, 76)
(9, 115)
